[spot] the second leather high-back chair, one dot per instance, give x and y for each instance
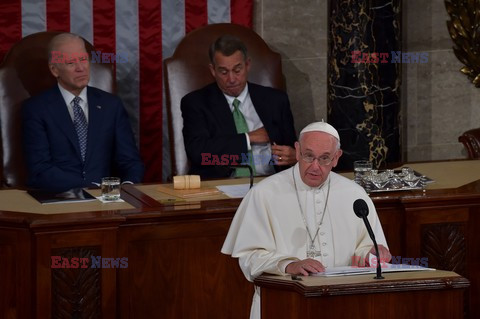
(187, 70)
(24, 73)
(471, 141)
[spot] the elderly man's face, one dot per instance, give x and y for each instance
(230, 72)
(316, 145)
(73, 68)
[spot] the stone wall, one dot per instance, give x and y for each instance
(438, 102)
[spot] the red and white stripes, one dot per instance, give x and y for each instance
(146, 31)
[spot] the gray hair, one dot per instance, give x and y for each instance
(60, 39)
(227, 45)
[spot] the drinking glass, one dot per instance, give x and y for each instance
(361, 170)
(110, 188)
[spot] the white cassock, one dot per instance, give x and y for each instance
(268, 230)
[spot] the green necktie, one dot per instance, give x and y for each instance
(242, 127)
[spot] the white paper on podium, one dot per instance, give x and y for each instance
(235, 191)
(353, 270)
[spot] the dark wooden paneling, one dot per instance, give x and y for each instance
(51, 288)
(8, 302)
(76, 292)
(445, 246)
(393, 224)
(473, 262)
(15, 274)
(176, 270)
(440, 297)
(280, 304)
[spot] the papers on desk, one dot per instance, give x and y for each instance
(350, 270)
(234, 191)
(74, 195)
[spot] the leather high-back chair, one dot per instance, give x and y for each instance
(471, 141)
(24, 73)
(187, 70)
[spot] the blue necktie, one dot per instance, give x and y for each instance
(81, 125)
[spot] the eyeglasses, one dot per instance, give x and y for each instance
(323, 160)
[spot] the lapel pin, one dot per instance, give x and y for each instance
(99, 107)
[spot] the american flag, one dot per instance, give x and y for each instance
(145, 32)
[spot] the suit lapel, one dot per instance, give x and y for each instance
(59, 113)
(261, 106)
(95, 116)
(221, 110)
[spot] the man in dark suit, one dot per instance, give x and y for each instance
(74, 134)
(232, 121)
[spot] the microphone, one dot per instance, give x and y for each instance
(230, 168)
(360, 208)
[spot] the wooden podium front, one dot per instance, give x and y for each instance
(419, 294)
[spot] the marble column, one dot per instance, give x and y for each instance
(364, 78)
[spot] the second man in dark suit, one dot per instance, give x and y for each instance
(232, 120)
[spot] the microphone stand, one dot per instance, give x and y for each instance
(372, 236)
(250, 170)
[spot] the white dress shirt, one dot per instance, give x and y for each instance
(68, 97)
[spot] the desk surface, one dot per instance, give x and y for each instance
(20, 201)
(451, 174)
(153, 191)
(446, 175)
(450, 178)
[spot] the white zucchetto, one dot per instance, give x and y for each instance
(321, 127)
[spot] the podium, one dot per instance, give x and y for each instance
(419, 294)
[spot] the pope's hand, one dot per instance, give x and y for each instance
(304, 267)
(383, 252)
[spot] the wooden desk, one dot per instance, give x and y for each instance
(429, 294)
(175, 268)
(31, 235)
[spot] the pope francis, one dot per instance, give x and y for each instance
(301, 220)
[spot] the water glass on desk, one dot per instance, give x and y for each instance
(110, 188)
(361, 170)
